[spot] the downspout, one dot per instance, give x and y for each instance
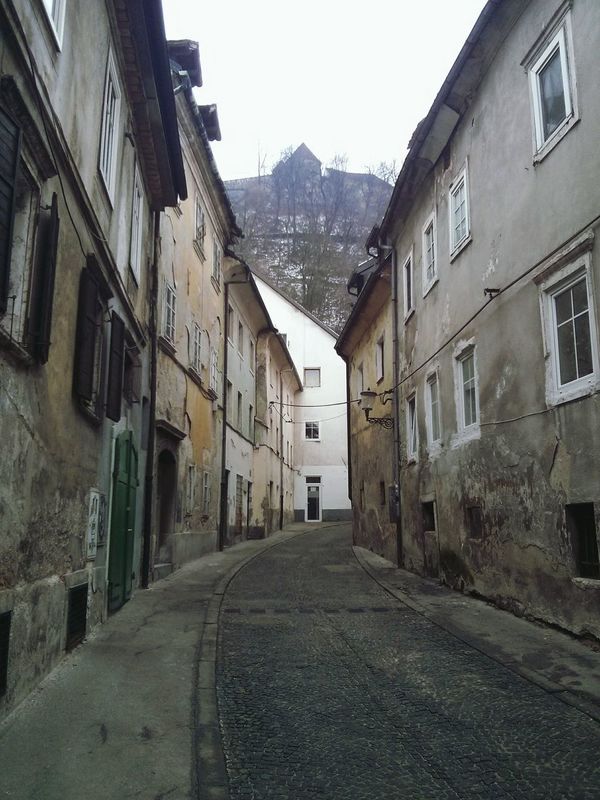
(396, 408)
(149, 477)
(223, 495)
(281, 450)
(348, 429)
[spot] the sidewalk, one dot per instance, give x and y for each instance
(553, 660)
(127, 714)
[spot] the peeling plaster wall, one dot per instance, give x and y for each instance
(528, 458)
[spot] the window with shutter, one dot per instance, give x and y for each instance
(42, 286)
(87, 376)
(10, 143)
(115, 368)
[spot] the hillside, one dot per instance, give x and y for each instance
(305, 227)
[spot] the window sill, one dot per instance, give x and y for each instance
(166, 346)
(216, 284)
(199, 250)
(411, 460)
(17, 352)
(434, 450)
(556, 397)
(555, 138)
(408, 315)
(89, 413)
(466, 435)
(460, 247)
(587, 583)
(429, 286)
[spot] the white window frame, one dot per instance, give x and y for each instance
(312, 385)
(213, 370)
(199, 223)
(559, 281)
(170, 312)
(251, 354)
(434, 443)
(55, 11)
(216, 266)
(241, 337)
(462, 179)
(429, 282)
(196, 347)
(206, 493)
(380, 359)
(465, 433)
(109, 140)
(316, 438)
(137, 222)
(558, 35)
(412, 428)
(409, 297)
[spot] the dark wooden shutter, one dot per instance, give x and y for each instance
(10, 145)
(42, 286)
(87, 330)
(115, 368)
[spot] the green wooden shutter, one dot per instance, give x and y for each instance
(42, 287)
(115, 367)
(10, 146)
(87, 330)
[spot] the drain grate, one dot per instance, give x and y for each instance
(76, 615)
(5, 620)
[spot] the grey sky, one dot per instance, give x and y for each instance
(347, 78)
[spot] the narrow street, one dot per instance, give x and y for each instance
(328, 687)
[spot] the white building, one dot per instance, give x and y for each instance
(320, 455)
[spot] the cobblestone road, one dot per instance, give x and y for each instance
(328, 688)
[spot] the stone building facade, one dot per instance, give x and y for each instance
(86, 167)
(493, 225)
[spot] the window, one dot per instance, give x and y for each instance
(196, 347)
(407, 271)
(28, 247)
(239, 411)
(459, 213)
(552, 88)
(56, 14)
(474, 522)
(137, 221)
(169, 313)
(109, 133)
(5, 621)
(581, 525)
(213, 371)
(381, 493)
(379, 360)
(216, 267)
(88, 375)
(230, 323)
(433, 409)
(429, 255)
(251, 422)
(428, 515)
(412, 432)
(311, 431)
(467, 391)
(312, 377)
(360, 380)
(199, 224)
(190, 488)
(240, 339)
(251, 357)
(206, 493)
(229, 400)
(568, 312)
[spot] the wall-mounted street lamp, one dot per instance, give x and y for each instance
(366, 403)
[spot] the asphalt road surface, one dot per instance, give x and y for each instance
(330, 688)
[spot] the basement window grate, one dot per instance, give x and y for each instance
(475, 522)
(5, 620)
(76, 616)
(428, 514)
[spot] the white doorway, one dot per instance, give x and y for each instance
(314, 498)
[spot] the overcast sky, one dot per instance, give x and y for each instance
(347, 78)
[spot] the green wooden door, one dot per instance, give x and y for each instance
(122, 522)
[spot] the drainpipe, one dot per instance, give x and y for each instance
(396, 472)
(149, 477)
(281, 447)
(348, 428)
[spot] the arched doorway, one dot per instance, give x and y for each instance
(166, 492)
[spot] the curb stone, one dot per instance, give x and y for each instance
(588, 707)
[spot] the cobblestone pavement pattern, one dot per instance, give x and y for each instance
(329, 688)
